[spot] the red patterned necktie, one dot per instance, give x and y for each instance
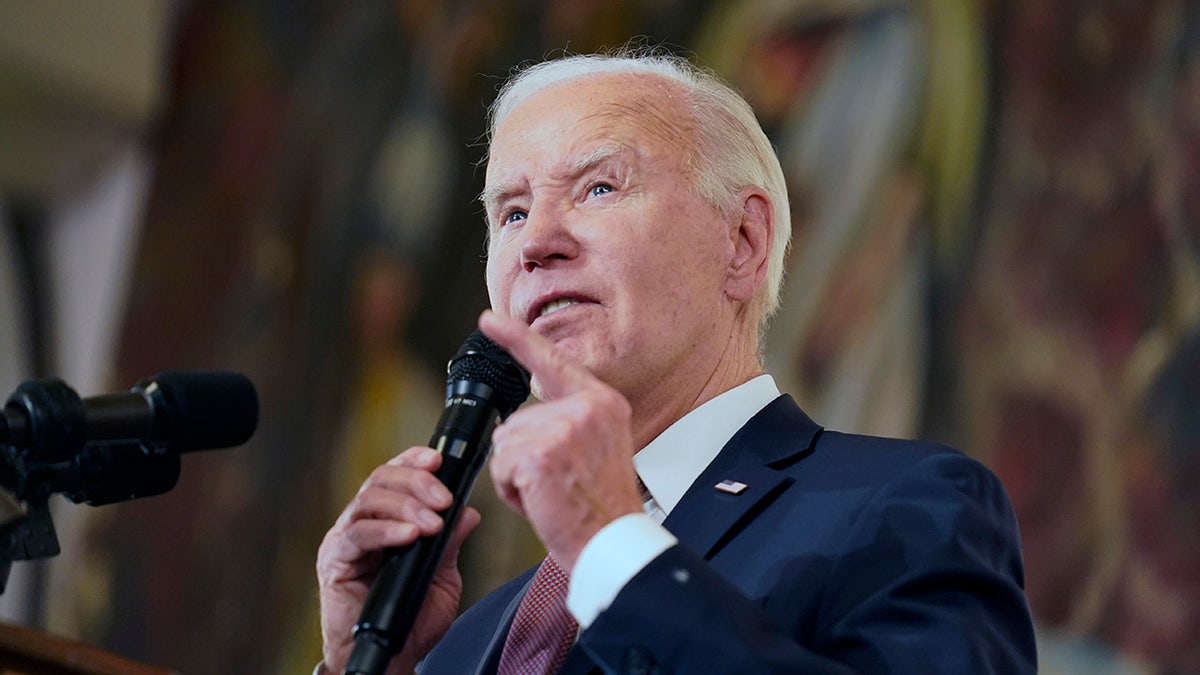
(543, 630)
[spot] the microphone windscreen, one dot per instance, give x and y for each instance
(202, 410)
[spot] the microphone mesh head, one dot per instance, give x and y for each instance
(481, 360)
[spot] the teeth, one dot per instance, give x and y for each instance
(552, 307)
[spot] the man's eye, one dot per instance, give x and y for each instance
(514, 216)
(599, 189)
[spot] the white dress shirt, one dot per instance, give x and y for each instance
(668, 466)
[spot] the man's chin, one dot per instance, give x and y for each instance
(580, 351)
(576, 347)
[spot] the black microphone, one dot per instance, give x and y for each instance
(485, 386)
(180, 410)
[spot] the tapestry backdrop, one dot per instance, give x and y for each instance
(996, 244)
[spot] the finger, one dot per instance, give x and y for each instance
(419, 483)
(556, 375)
(385, 505)
(390, 487)
(502, 481)
(366, 536)
(418, 457)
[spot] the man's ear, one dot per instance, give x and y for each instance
(752, 238)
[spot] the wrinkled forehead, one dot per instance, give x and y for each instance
(613, 109)
(653, 118)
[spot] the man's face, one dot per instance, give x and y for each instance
(598, 238)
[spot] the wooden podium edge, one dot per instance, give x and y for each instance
(32, 652)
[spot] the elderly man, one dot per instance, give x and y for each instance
(696, 520)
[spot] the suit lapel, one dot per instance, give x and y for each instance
(779, 435)
(490, 659)
(704, 519)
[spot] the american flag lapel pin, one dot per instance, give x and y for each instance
(733, 487)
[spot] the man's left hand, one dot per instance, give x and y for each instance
(566, 463)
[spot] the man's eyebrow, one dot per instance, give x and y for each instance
(495, 194)
(595, 158)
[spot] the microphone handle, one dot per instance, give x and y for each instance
(404, 578)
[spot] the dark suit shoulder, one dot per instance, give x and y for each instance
(843, 459)
(783, 437)
(935, 528)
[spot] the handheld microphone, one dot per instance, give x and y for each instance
(485, 385)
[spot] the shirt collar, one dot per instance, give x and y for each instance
(670, 463)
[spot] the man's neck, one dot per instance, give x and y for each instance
(669, 401)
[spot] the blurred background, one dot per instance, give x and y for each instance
(996, 245)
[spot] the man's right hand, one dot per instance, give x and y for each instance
(397, 504)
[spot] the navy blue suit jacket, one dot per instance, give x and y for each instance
(846, 554)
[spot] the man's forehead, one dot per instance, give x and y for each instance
(623, 125)
(650, 102)
(656, 113)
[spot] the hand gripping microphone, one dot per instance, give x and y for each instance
(485, 386)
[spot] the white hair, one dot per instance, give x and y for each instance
(732, 150)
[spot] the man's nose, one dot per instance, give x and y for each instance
(546, 239)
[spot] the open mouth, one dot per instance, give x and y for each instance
(551, 306)
(555, 305)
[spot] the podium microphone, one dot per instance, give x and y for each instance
(485, 385)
